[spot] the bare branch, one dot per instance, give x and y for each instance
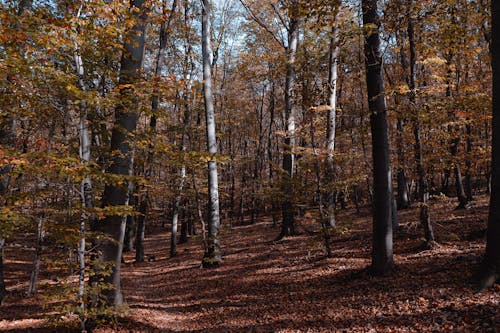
(262, 24)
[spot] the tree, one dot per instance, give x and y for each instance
(423, 185)
(331, 115)
(288, 224)
(212, 256)
(490, 270)
(382, 260)
(126, 115)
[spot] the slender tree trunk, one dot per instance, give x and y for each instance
(382, 258)
(332, 121)
(270, 149)
(182, 176)
(468, 163)
(130, 228)
(287, 188)
(460, 191)
(155, 102)
(423, 185)
(141, 229)
(403, 201)
(37, 260)
(490, 270)
(188, 69)
(126, 117)
(212, 256)
(3, 288)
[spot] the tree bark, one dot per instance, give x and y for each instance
(155, 103)
(122, 163)
(423, 185)
(382, 258)
(331, 120)
(490, 270)
(212, 256)
(37, 260)
(188, 68)
(3, 288)
(287, 188)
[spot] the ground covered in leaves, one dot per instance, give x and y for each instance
(290, 286)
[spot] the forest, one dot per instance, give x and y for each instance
(249, 166)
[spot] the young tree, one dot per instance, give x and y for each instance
(212, 256)
(423, 185)
(332, 116)
(490, 271)
(288, 224)
(126, 115)
(382, 259)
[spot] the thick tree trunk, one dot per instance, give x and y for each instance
(382, 258)
(423, 185)
(490, 270)
(122, 164)
(212, 256)
(287, 188)
(331, 121)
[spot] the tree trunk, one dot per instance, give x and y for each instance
(460, 191)
(382, 258)
(287, 188)
(3, 289)
(468, 163)
(403, 201)
(130, 228)
(490, 270)
(37, 260)
(122, 164)
(212, 256)
(423, 185)
(331, 120)
(182, 176)
(155, 102)
(188, 69)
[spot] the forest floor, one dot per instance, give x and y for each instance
(290, 286)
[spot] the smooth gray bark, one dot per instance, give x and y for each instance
(37, 260)
(212, 256)
(188, 70)
(86, 192)
(382, 257)
(126, 117)
(423, 184)
(155, 103)
(287, 188)
(3, 288)
(332, 120)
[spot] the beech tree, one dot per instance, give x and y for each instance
(212, 255)
(490, 271)
(117, 194)
(382, 259)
